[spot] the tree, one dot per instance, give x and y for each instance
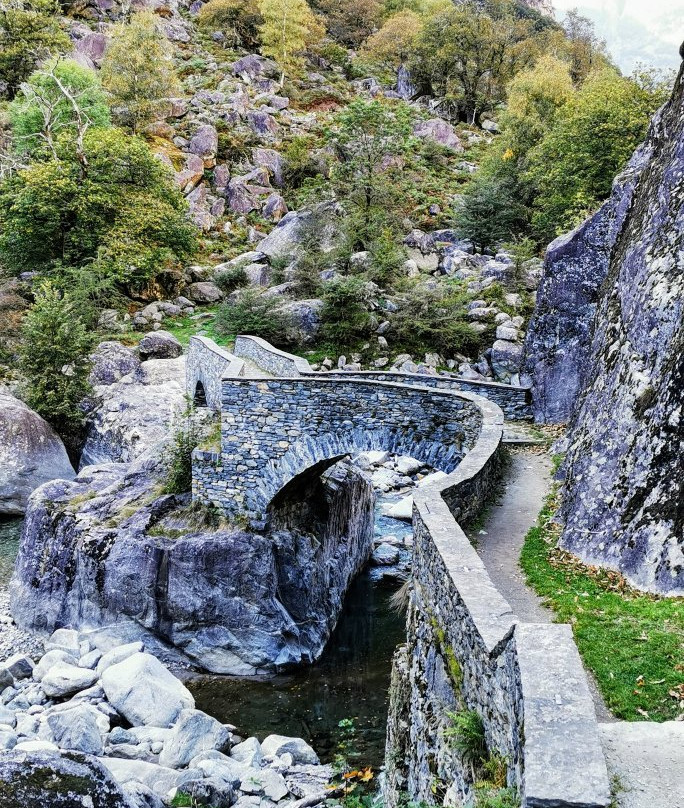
(62, 98)
(592, 137)
(469, 52)
(117, 209)
(489, 212)
(366, 135)
(350, 21)
(137, 71)
(54, 360)
(289, 27)
(345, 318)
(29, 32)
(390, 47)
(580, 46)
(239, 20)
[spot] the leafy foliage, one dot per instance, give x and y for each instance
(238, 20)
(489, 212)
(118, 207)
(289, 27)
(29, 32)
(59, 99)
(345, 318)
(54, 359)
(366, 135)
(138, 71)
(590, 140)
(255, 314)
(350, 21)
(468, 53)
(179, 457)
(394, 43)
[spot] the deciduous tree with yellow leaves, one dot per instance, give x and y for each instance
(289, 27)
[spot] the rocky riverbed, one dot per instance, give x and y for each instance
(132, 728)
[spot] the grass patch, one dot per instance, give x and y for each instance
(632, 641)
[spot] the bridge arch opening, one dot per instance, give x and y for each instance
(200, 397)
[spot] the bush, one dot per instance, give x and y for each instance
(239, 20)
(179, 457)
(55, 360)
(231, 279)
(489, 212)
(345, 318)
(435, 320)
(253, 313)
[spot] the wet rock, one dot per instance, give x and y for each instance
(385, 555)
(276, 745)
(31, 453)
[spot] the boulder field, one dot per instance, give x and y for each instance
(115, 728)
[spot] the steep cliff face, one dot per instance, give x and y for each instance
(623, 502)
(107, 549)
(558, 342)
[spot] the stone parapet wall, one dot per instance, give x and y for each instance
(515, 402)
(467, 650)
(270, 359)
(207, 364)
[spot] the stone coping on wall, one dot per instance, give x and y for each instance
(271, 359)
(563, 761)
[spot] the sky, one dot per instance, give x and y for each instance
(647, 31)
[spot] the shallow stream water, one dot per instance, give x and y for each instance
(350, 680)
(10, 533)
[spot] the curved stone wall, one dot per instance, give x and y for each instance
(207, 364)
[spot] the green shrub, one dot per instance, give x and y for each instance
(467, 737)
(232, 279)
(253, 313)
(496, 798)
(179, 457)
(345, 318)
(55, 360)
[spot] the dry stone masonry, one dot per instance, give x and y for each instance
(465, 648)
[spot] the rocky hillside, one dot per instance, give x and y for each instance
(623, 497)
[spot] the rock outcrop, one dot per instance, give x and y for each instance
(31, 453)
(109, 549)
(134, 412)
(623, 503)
(558, 342)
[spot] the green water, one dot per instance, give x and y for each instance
(349, 681)
(10, 533)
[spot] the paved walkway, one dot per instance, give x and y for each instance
(500, 538)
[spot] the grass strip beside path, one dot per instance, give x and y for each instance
(633, 642)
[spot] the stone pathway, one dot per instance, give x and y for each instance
(253, 371)
(646, 763)
(500, 538)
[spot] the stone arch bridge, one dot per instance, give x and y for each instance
(274, 430)
(465, 647)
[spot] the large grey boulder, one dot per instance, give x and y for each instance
(143, 691)
(31, 454)
(159, 345)
(55, 780)
(131, 416)
(65, 680)
(303, 320)
(80, 728)
(274, 598)
(623, 500)
(439, 131)
(159, 779)
(194, 732)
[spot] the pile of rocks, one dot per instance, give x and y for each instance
(124, 709)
